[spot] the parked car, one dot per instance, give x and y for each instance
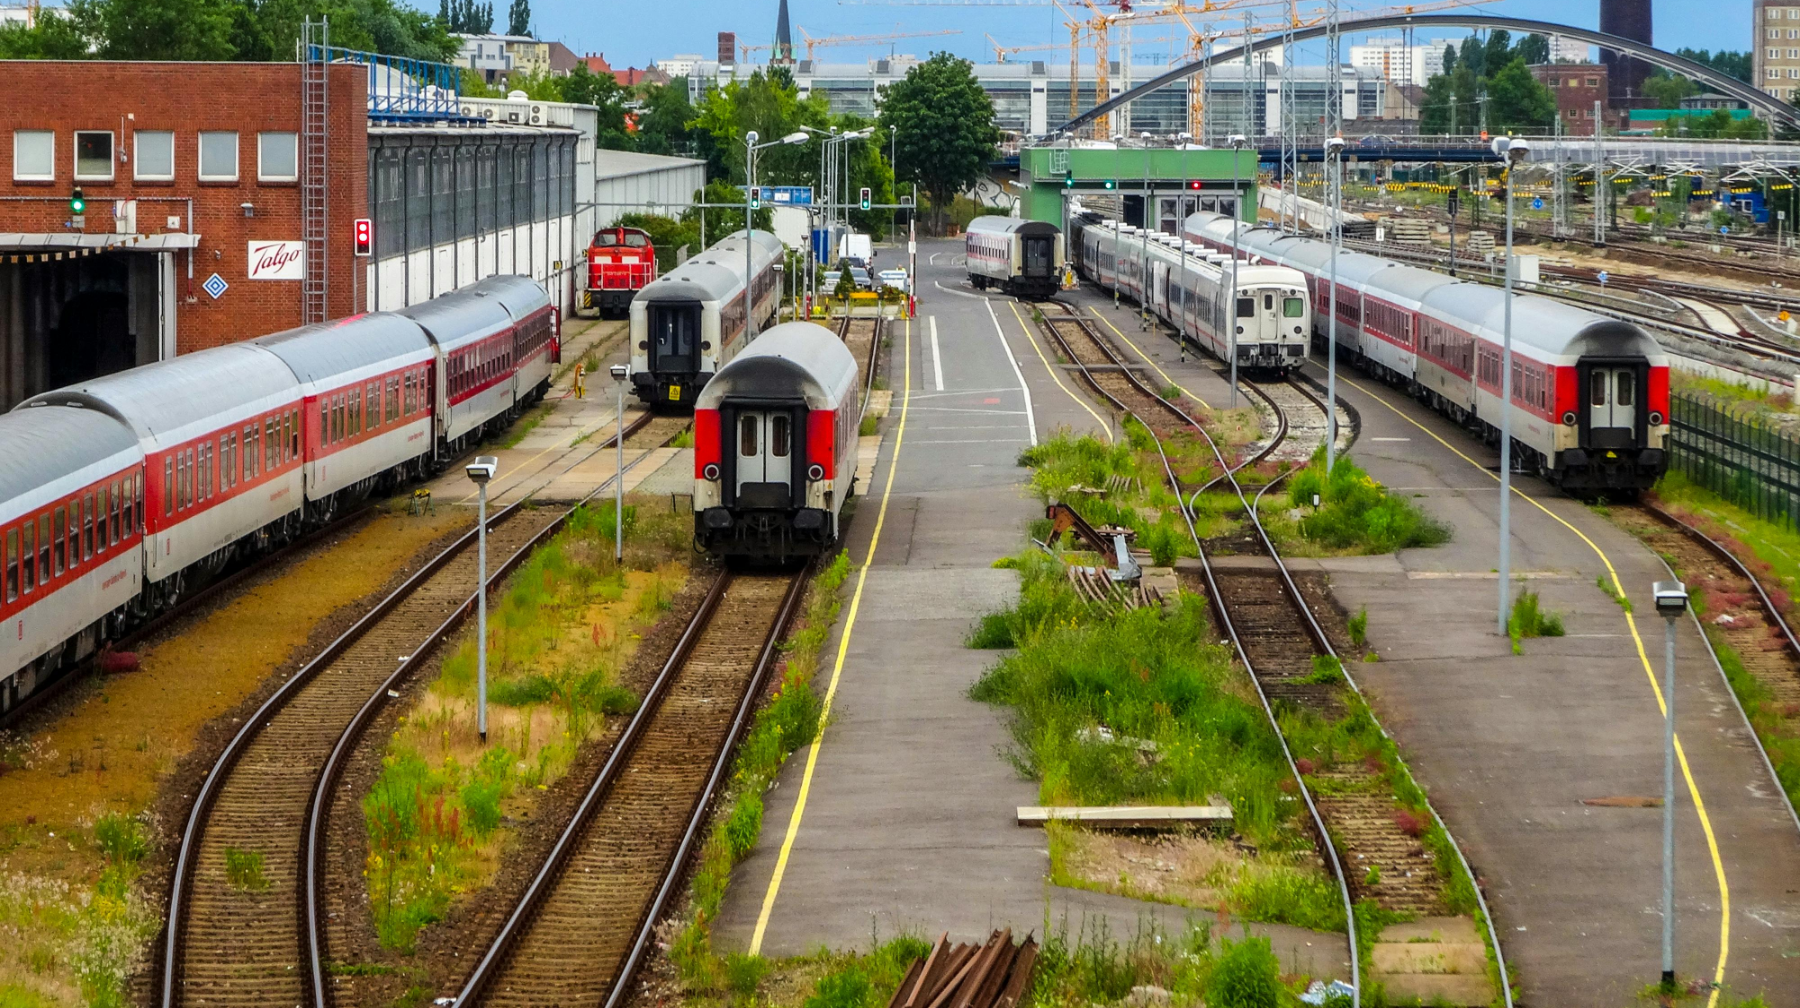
(861, 277)
(895, 278)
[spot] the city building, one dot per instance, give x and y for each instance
(1625, 77)
(680, 64)
(1032, 98)
(1776, 47)
(1393, 59)
(1576, 87)
(498, 56)
(1564, 49)
(196, 208)
(1706, 101)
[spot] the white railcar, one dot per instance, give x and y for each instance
(690, 322)
(1024, 258)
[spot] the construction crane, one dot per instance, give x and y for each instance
(844, 40)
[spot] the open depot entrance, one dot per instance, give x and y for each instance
(66, 317)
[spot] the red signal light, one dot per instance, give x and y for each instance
(1195, 184)
(365, 236)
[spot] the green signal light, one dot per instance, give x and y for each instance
(77, 203)
(1110, 184)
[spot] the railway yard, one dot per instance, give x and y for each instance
(696, 776)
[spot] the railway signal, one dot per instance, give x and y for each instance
(364, 231)
(77, 202)
(865, 197)
(756, 197)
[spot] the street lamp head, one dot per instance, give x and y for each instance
(1519, 151)
(796, 137)
(750, 137)
(482, 469)
(1334, 146)
(1671, 598)
(620, 372)
(1239, 140)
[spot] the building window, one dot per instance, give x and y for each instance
(1773, 73)
(1774, 53)
(93, 156)
(219, 156)
(34, 156)
(155, 156)
(277, 157)
(1794, 33)
(1774, 32)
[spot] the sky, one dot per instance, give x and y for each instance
(636, 33)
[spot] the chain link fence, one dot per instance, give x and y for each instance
(1743, 459)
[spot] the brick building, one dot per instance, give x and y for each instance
(188, 170)
(193, 232)
(1576, 87)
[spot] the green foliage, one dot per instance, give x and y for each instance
(1327, 671)
(663, 119)
(1046, 599)
(1358, 625)
(744, 972)
(244, 869)
(1248, 976)
(743, 826)
(667, 234)
(847, 988)
(1308, 899)
(1495, 72)
(518, 18)
(121, 838)
(467, 16)
(1623, 600)
(1718, 123)
(1519, 102)
(945, 124)
(53, 37)
(1355, 512)
(868, 426)
(1528, 619)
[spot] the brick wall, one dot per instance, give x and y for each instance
(187, 98)
(1575, 96)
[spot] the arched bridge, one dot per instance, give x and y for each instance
(1722, 83)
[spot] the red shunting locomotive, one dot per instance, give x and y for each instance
(620, 262)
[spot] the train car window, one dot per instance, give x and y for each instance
(87, 527)
(100, 523)
(113, 526)
(606, 239)
(1268, 302)
(1623, 388)
(1293, 307)
(168, 487)
(73, 536)
(293, 434)
(268, 444)
(778, 436)
(747, 437)
(636, 241)
(1246, 307)
(28, 558)
(1597, 381)
(44, 548)
(137, 495)
(12, 564)
(324, 422)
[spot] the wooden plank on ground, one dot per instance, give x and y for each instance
(1126, 816)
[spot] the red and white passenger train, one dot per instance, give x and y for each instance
(117, 493)
(775, 436)
(1590, 394)
(620, 262)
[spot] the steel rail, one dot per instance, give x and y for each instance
(1324, 835)
(617, 761)
(319, 806)
(188, 851)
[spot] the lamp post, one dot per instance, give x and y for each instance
(619, 373)
(480, 472)
(1671, 602)
(1237, 142)
(1512, 153)
(750, 149)
(1334, 181)
(894, 170)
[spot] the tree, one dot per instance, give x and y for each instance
(157, 29)
(1725, 61)
(585, 87)
(1534, 49)
(1518, 102)
(1450, 103)
(722, 220)
(467, 16)
(1449, 58)
(770, 105)
(1497, 52)
(945, 125)
(518, 18)
(54, 37)
(662, 122)
(1473, 55)
(667, 234)
(1669, 88)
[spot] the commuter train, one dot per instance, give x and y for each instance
(1590, 394)
(118, 492)
(1190, 288)
(689, 322)
(1024, 258)
(620, 262)
(775, 436)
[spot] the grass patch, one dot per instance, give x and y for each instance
(788, 721)
(244, 870)
(869, 425)
(1612, 592)
(1356, 514)
(1358, 626)
(526, 425)
(685, 439)
(565, 624)
(1530, 619)
(1770, 550)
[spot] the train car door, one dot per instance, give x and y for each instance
(1038, 254)
(1160, 287)
(765, 458)
(674, 336)
(1612, 406)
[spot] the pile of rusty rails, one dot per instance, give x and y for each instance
(996, 974)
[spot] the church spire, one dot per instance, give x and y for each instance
(784, 38)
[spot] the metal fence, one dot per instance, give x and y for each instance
(1745, 460)
(401, 89)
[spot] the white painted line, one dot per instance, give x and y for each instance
(937, 356)
(1000, 334)
(1390, 439)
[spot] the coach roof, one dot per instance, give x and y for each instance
(802, 359)
(360, 345)
(44, 446)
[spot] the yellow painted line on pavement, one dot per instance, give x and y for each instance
(1147, 359)
(837, 669)
(1687, 773)
(1081, 400)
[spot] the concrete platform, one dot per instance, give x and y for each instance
(909, 820)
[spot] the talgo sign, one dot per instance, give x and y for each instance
(277, 260)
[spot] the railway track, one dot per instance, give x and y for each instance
(263, 798)
(863, 337)
(587, 919)
(1259, 606)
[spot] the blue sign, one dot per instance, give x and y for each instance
(1538, 203)
(1602, 278)
(786, 195)
(215, 285)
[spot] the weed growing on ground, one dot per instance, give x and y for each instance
(1529, 619)
(1248, 976)
(1358, 625)
(244, 870)
(1612, 592)
(1327, 671)
(869, 425)
(788, 721)
(685, 439)
(1356, 513)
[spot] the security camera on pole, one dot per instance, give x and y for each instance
(1512, 152)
